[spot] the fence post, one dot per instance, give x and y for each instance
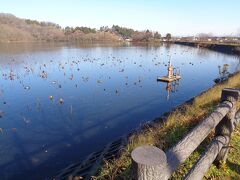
(148, 163)
(226, 126)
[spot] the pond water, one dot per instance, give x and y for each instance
(60, 102)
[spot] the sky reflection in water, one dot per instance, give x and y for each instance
(106, 91)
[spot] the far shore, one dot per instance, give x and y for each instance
(228, 48)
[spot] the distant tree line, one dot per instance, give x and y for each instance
(86, 30)
(16, 29)
(123, 32)
(128, 33)
(42, 23)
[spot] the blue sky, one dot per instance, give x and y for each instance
(179, 17)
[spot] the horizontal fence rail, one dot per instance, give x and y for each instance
(151, 163)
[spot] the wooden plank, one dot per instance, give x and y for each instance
(237, 117)
(180, 152)
(167, 79)
(145, 166)
(226, 126)
(202, 165)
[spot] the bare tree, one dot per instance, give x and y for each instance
(168, 36)
(157, 35)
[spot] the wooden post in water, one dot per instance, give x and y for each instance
(170, 70)
(226, 126)
(148, 163)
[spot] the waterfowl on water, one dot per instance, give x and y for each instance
(1, 114)
(61, 101)
(27, 87)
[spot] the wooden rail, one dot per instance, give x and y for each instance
(151, 163)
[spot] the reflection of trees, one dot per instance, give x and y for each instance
(148, 45)
(204, 53)
(156, 46)
(21, 48)
(168, 46)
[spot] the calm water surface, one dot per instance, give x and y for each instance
(60, 102)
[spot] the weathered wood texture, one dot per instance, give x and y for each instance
(218, 149)
(148, 163)
(206, 160)
(180, 152)
(237, 117)
(226, 126)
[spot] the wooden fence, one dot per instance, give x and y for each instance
(151, 163)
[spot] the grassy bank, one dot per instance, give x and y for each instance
(170, 131)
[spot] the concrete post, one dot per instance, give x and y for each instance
(149, 163)
(226, 126)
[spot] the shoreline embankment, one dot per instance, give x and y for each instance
(233, 49)
(167, 131)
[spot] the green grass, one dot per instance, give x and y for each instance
(230, 169)
(178, 123)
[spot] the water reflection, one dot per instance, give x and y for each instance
(238, 65)
(59, 102)
(172, 87)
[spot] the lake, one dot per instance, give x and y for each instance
(60, 102)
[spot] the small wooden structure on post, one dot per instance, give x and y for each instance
(173, 74)
(151, 163)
